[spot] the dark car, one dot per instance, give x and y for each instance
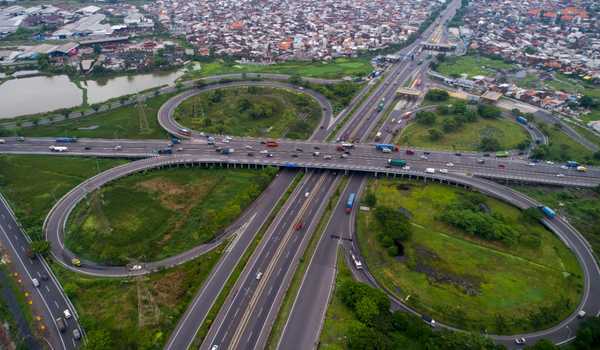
(294, 155)
(426, 153)
(44, 277)
(486, 154)
(458, 154)
(299, 149)
(250, 154)
(87, 148)
(60, 323)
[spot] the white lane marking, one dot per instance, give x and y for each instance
(47, 289)
(56, 304)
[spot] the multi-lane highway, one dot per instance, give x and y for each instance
(247, 315)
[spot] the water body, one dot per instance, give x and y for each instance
(47, 93)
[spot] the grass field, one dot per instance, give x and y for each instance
(580, 205)
(251, 111)
(467, 138)
(32, 184)
(338, 68)
(151, 216)
(129, 122)
(562, 147)
(472, 66)
(464, 281)
(135, 313)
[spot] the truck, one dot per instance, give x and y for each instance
(430, 171)
(290, 165)
(397, 162)
(381, 105)
(66, 139)
(165, 151)
(502, 154)
(522, 120)
(350, 202)
(381, 146)
(58, 148)
(550, 214)
(227, 150)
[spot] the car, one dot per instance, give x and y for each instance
(560, 175)
(426, 153)
(424, 157)
(87, 148)
(76, 334)
(259, 275)
(450, 164)
(327, 156)
(179, 149)
(60, 324)
(44, 277)
(430, 321)
(248, 147)
(228, 138)
(20, 139)
(118, 148)
(299, 149)
(564, 167)
(501, 166)
(531, 163)
(263, 142)
(270, 155)
(444, 171)
(344, 155)
(250, 154)
(264, 151)
(2, 141)
(136, 267)
(480, 161)
(581, 314)
(306, 194)
(214, 347)
(35, 282)
(316, 154)
(294, 155)
(225, 141)
(486, 154)
(218, 149)
(317, 147)
(520, 341)
(406, 167)
(202, 133)
(67, 313)
(549, 162)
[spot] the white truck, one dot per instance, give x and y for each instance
(58, 148)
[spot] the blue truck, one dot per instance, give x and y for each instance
(350, 202)
(290, 165)
(522, 120)
(66, 139)
(550, 214)
(382, 146)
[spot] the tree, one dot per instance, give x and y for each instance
(437, 95)
(489, 144)
(370, 199)
(295, 79)
(425, 118)
(588, 334)
(533, 214)
(587, 101)
(40, 247)
(523, 145)
(366, 310)
(435, 134)
(543, 344)
(450, 124)
(489, 111)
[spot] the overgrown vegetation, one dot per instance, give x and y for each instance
(137, 312)
(457, 273)
(251, 111)
(146, 217)
(562, 147)
(339, 95)
(461, 126)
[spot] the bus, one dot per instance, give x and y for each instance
(502, 154)
(356, 262)
(350, 202)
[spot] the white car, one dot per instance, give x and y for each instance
(560, 175)
(136, 267)
(520, 341)
(248, 147)
(264, 151)
(549, 162)
(229, 138)
(450, 164)
(118, 147)
(316, 154)
(2, 141)
(531, 164)
(327, 156)
(214, 347)
(35, 282)
(406, 167)
(564, 167)
(306, 194)
(444, 171)
(225, 141)
(258, 275)
(67, 313)
(424, 157)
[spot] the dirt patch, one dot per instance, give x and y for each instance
(169, 289)
(167, 191)
(425, 259)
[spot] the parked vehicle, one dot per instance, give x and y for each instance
(76, 334)
(357, 263)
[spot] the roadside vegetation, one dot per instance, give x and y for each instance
(359, 317)
(32, 184)
(430, 244)
(251, 111)
(459, 126)
(154, 215)
(131, 122)
(339, 94)
(335, 69)
(562, 147)
(136, 312)
(581, 206)
(471, 65)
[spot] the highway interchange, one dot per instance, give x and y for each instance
(248, 313)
